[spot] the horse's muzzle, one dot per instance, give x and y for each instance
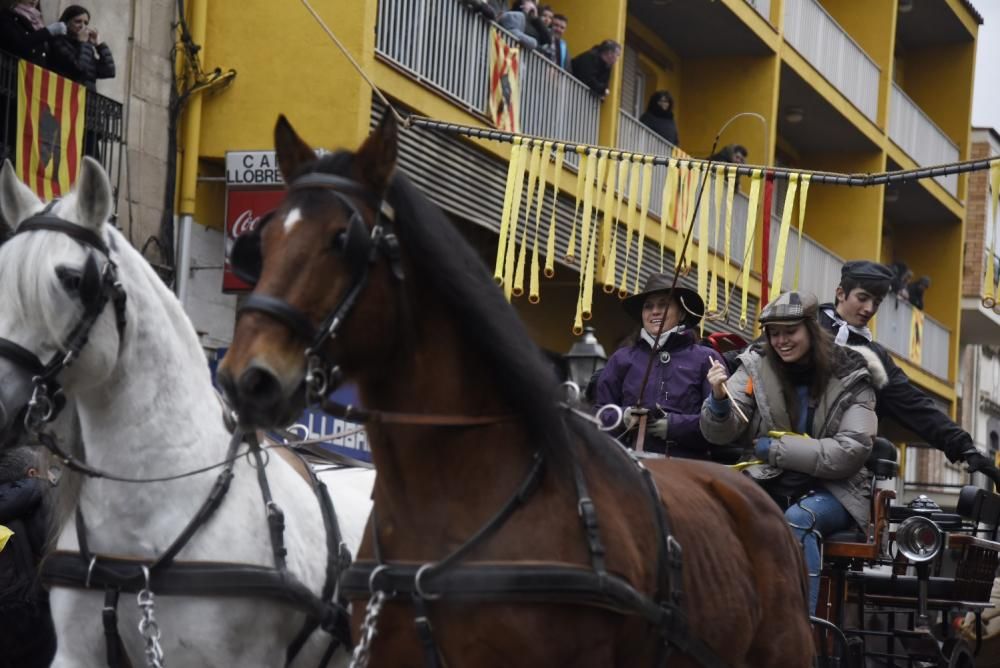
(259, 397)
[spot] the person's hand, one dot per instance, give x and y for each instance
(980, 463)
(630, 417)
(93, 37)
(658, 428)
(717, 377)
(762, 448)
(57, 28)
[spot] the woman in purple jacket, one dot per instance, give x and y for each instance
(677, 384)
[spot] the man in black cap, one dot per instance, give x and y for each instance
(863, 286)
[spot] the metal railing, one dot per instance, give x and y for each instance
(895, 329)
(635, 137)
(914, 132)
(445, 45)
(763, 8)
(828, 47)
(103, 124)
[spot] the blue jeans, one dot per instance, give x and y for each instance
(828, 516)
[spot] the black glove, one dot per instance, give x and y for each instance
(980, 463)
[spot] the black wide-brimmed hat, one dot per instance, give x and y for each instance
(693, 304)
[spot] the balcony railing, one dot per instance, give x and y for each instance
(763, 8)
(828, 47)
(895, 326)
(445, 45)
(914, 132)
(635, 137)
(102, 123)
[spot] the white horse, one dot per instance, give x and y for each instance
(147, 408)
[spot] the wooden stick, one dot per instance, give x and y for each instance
(725, 388)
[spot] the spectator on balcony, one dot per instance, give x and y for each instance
(24, 34)
(545, 13)
(901, 276)
(593, 67)
(734, 153)
(560, 50)
(917, 289)
(659, 116)
(80, 54)
(524, 23)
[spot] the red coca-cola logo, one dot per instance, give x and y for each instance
(244, 223)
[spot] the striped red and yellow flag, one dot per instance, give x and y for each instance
(50, 113)
(505, 83)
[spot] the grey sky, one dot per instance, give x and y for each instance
(986, 95)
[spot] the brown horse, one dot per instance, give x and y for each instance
(466, 408)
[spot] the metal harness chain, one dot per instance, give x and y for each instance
(362, 651)
(148, 626)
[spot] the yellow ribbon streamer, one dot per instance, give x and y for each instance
(718, 183)
(680, 219)
(550, 247)
(581, 176)
(703, 239)
(508, 196)
(786, 223)
(608, 222)
(591, 258)
(5, 534)
(515, 214)
(803, 195)
(535, 164)
(609, 269)
(990, 289)
(748, 242)
(633, 195)
(667, 204)
(730, 196)
(533, 291)
(647, 187)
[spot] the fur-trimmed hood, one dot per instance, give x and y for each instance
(879, 376)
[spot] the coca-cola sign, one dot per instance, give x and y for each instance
(244, 209)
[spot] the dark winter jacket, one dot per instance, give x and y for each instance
(19, 38)
(905, 403)
(662, 124)
(676, 388)
(80, 61)
(591, 69)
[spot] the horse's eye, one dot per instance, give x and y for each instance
(339, 241)
(70, 278)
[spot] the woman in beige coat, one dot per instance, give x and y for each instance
(811, 411)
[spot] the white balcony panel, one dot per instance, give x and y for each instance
(445, 45)
(763, 8)
(914, 132)
(819, 268)
(834, 54)
(895, 322)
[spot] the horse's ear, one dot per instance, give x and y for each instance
(93, 194)
(17, 201)
(376, 159)
(292, 152)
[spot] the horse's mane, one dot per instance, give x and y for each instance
(457, 276)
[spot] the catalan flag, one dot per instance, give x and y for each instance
(505, 84)
(50, 113)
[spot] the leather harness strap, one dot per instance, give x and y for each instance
(362, 416)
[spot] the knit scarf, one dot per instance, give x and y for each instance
(844, 331)
(656, 344)
(32, 14)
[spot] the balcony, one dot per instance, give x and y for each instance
(895, 323)
(980, 325)
(445, 46)
(819, 268)
(828, 48)
(635, 137)
(763, 8)
(102, 123)
(914, 132)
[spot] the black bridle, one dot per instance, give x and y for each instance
(359, 248)
(47, 398)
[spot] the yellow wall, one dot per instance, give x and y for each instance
(286, 63)
(848, 221)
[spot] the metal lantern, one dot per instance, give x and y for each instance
(584, 358)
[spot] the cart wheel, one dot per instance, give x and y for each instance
(957, 654)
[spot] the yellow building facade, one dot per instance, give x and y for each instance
(829, 85)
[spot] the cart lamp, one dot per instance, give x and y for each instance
(584, 358)
(919, 539)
